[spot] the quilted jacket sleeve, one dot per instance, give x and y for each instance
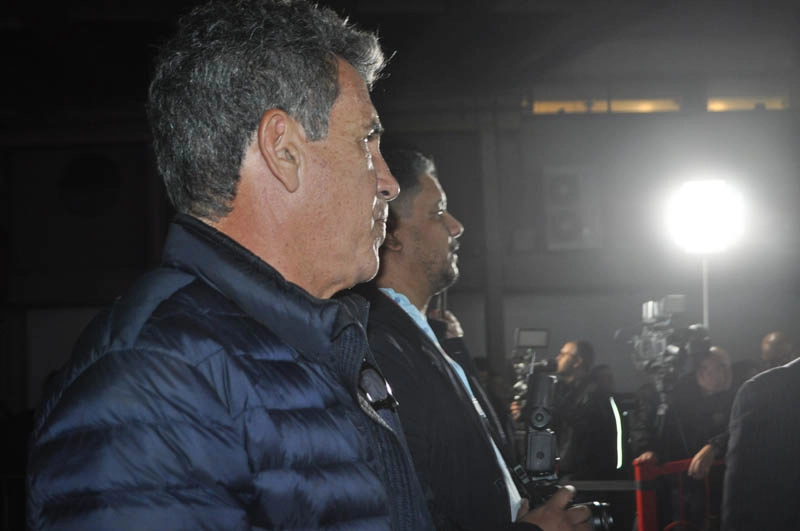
(141, 441)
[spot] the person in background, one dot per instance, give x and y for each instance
(694, 427)
(228, 389)
(602, 377)
(465, 476)
(761, 485)
(583, 418)
(776, 350)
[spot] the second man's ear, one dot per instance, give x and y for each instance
(392, 242)
(279, 137)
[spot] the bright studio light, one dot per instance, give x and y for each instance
(705, 216)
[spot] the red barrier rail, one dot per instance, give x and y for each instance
(647, 477)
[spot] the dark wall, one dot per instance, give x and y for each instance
(84, 215)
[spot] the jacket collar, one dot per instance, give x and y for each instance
(382, 307)
(307, 324)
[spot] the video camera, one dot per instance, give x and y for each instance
(535, 385)
(664, 350)
(661, 347)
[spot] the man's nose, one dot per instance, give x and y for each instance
(388, 187)
(455, 227)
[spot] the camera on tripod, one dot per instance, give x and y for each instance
(663, 349)
(661, 346)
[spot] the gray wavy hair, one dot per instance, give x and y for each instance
(228, 63)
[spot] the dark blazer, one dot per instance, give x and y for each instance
(762, 480)
(501, 426)
(447, 438)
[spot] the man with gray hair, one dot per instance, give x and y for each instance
(229, 389)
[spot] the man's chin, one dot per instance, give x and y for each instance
(454, 274)
(369, 268)
(445, 281)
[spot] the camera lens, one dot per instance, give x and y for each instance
(600, 519)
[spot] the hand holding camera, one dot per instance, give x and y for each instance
(556, 514)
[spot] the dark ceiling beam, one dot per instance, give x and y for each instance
(586, 28)
(32, 14)
(389, 7)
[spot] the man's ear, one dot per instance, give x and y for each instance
(278, 141)
(392, 242)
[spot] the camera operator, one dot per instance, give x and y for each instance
(583, 418)
(695, 426)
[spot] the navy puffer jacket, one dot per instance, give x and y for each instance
(216, 395)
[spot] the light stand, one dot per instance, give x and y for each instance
(705, 291)
(705, 217)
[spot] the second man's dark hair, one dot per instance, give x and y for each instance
(407, 166)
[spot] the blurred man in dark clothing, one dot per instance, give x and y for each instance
(776, 350)
(762, 469)
(697, 414)
(694, 427)
(603, 377)
(584, 419)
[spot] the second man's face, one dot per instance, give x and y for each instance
(433, 234)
